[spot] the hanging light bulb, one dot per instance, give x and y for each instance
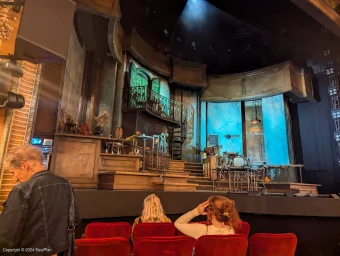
(255, 120)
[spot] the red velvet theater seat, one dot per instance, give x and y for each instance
(218, 245)
(153, 229)
(117, 246)
(273, 244)
(109, 229)
(243, 229)
(164, 246)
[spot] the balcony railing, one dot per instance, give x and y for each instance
(141, 97)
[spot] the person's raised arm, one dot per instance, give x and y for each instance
(193, 230)
(13, 218)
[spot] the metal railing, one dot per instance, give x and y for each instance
(141, 97)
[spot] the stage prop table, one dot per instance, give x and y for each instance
(238, 176)
(116, 144)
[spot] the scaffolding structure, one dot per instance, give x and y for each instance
(333, 73)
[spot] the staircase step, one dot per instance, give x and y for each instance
(200, 178)
(193, 163)
(5, 192)
(204, 188)
(176, 173)
(7, 186)
(200, 182)
(196, 174)
(7, 172)
(9, 181)
(193, 170)
(3, 197)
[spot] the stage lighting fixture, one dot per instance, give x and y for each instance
(255, 120)
(337, 136)
(11, 100)
(13, 68)
(332, 90)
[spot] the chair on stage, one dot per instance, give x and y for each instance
(243, 229)
(218, 245)
(153, 229)
(108, 229)
(272, 244)
(164, 246)
(117, 246)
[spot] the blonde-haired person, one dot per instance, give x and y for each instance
(221, 215)
(152, 212)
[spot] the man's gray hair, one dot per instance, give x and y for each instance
(23, 153)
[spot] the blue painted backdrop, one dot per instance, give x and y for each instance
(275, 130)
(224, 119)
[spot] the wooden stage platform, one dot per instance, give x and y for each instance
(102, 203)
(81, 160)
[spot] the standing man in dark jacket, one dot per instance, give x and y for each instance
(40, 214)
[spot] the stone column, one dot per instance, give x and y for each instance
(117, 116)
(107, 93)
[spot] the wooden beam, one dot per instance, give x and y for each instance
(323, 12)
(273, 80)
(105, 8)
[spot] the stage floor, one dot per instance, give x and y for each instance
(101, 203)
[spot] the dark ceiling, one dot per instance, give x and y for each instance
(229, 36)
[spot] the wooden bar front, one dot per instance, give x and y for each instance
(77, 158)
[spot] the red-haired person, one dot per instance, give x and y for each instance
(221, 214)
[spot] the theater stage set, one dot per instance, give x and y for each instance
(123, 111)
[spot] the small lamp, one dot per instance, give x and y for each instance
(255, 120)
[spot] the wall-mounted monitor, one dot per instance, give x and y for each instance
(37, 141)
(47, 142)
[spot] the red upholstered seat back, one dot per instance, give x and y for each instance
(243, 229)
(273, 244)
(164, 246)
(217, 245)
(153, 229)
(117, 246)
(106, 230)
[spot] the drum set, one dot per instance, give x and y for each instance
(238, 172)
